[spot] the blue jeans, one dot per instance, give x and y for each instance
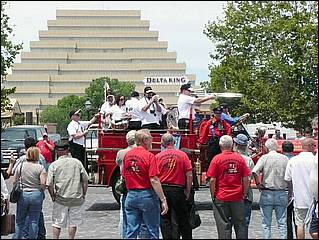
(29, 207)
(123, 220)
(277, 200)
(142, 206)
(41, 232)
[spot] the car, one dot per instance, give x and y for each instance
(12, 140)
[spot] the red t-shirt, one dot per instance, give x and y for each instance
(221, 127)
(228, 168)
(173, 165)
(139, 165)
(45, 150)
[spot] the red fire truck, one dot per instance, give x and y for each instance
(112, 140)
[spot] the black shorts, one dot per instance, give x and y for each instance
(314, 223)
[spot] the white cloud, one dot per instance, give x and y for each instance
(180, 23)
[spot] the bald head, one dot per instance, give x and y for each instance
(167, 140)
(271, 144)
(308, 145)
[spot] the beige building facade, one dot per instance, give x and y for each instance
(81, 45)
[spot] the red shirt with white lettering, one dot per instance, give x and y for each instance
(139, 165)
(228, 168)
(173, 165)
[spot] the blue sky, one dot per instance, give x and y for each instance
(179, 23)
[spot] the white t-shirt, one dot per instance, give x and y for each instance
(76, 127)
(298, 171)
(148, 117)
(117, 112)
(184, 104)
(132, 107)
(313, 179)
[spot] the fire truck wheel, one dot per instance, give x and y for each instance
(115, 177)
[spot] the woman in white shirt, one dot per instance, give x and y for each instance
(118, 112)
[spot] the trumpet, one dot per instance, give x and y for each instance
(155, 98)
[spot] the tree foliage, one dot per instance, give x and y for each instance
(95, 93)
(60, 113)
(8, 53)
(268, 50)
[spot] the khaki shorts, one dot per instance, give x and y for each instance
(64, 216)
(300, 216)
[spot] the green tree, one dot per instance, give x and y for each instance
(268, 50)
(8, 53)
(95, 92)
(60, 113)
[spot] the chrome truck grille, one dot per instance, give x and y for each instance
(6, 154)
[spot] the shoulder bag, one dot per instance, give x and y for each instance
(194, 218)
(17, 188)
(7, 224)
(120, 186)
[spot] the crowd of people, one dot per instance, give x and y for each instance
(159, 192)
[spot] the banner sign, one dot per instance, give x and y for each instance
(165, 80)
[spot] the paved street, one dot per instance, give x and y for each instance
(102, 216)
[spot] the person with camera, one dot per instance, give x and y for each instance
(46, 147)
(150, 109)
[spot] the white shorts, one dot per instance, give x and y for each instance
(64, 216)
(300, 216)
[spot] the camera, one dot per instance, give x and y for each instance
(153, 112)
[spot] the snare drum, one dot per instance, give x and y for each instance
(122, 125)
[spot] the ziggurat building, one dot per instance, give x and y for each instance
(82, 45)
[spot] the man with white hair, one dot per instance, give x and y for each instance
(273, 187)
(145, 195)
(228, 175)
(130, 139)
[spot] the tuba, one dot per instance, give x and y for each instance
(172, 118)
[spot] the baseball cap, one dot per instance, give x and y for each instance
(62, 146)
(148, 90)
(75, 112)
(187, 87)
(241, 139)
(135, 94)
(44, 134)
(224, 105)
(217, 110)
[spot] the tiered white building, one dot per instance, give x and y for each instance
(81, 45)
